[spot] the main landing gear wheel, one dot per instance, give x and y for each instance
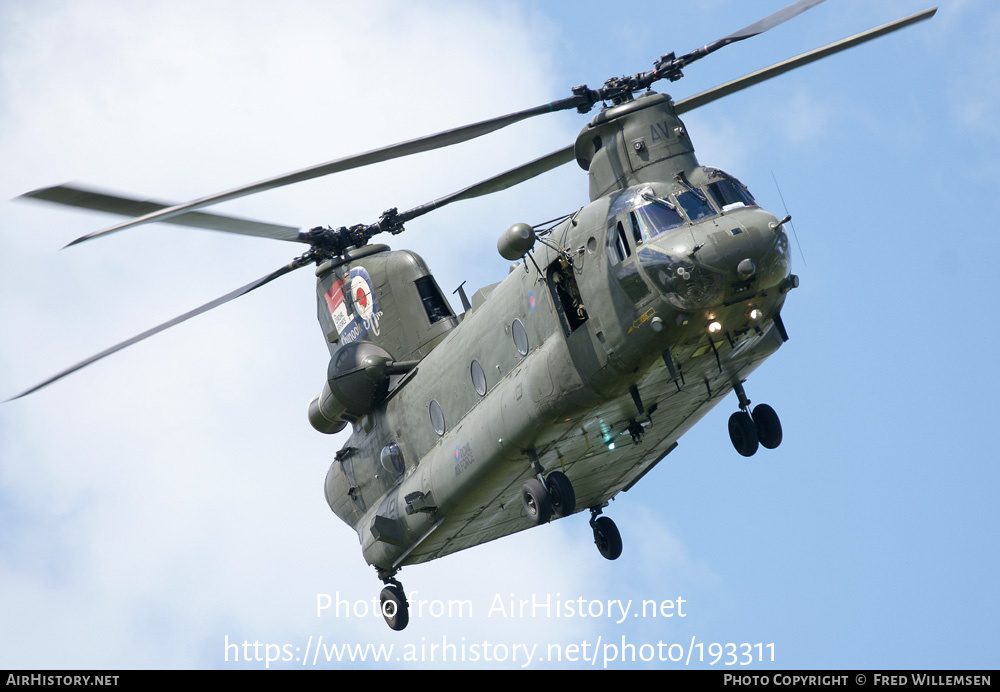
(748, 431)
(562, 497)
(395, 609)
(743, 433)
(537, 504)
(607, 537)
(768, 426)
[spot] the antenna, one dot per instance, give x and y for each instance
(782, 198)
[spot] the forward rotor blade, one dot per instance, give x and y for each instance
(771, 21)
(83, 198)
(758, 27)
(732, 87)
(413, 146)
(497, 183)
(290, 267)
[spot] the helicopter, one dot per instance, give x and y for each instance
(563, 385)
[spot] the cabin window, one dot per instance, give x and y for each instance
(435, 305)
(437, 417)
(478, 378)
(520, 337)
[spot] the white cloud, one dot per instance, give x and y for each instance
(171, 495)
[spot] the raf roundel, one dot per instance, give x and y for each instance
(363, 294)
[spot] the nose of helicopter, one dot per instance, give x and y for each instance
(749, 248)
(733, 257)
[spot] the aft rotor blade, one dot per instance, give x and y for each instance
(83, 198)
(290, 267)
(732, 87)
(497, 183)
(413, 146)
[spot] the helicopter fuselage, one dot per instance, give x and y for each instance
(616, 330)
(630, 320)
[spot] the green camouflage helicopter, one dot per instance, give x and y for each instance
(618, 327)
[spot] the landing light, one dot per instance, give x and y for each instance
(755, 314)
(714, 328)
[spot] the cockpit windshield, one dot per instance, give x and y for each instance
(657, 218)
(695, 205)
(639, 214)
(730, 194)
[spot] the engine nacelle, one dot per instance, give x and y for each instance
(357, 380)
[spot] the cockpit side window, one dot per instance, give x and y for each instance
(730, 194)
(637, 233)
(622, 248)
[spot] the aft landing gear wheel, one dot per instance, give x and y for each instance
(606, 535)
(743, 433)
(562, 497)
(395, 609)
(768, 426)
(536, 501)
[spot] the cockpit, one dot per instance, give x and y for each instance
(658, 241)
(639, 214)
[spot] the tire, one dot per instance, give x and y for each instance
(562, 497)
(608, 538)
(536, 501)
(768, 426)
(743, 433)
(399, 609)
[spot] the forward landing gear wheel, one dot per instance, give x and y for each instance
(536, 501)
(562, 497)
(608, 538)
(395, 610)
(743, 433)
(768, 426)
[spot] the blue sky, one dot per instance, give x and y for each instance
(170, 497)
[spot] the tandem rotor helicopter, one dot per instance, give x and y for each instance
(618, 327)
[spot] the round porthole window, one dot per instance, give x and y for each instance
(437, 417)
(520, 337)
(392, 458)
(478, 378)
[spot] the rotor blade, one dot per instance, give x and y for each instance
(497, 183)
(759, 27)
(771, 21)
(291, 266)
(732, 87)
(75, 196)
(413, 146)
